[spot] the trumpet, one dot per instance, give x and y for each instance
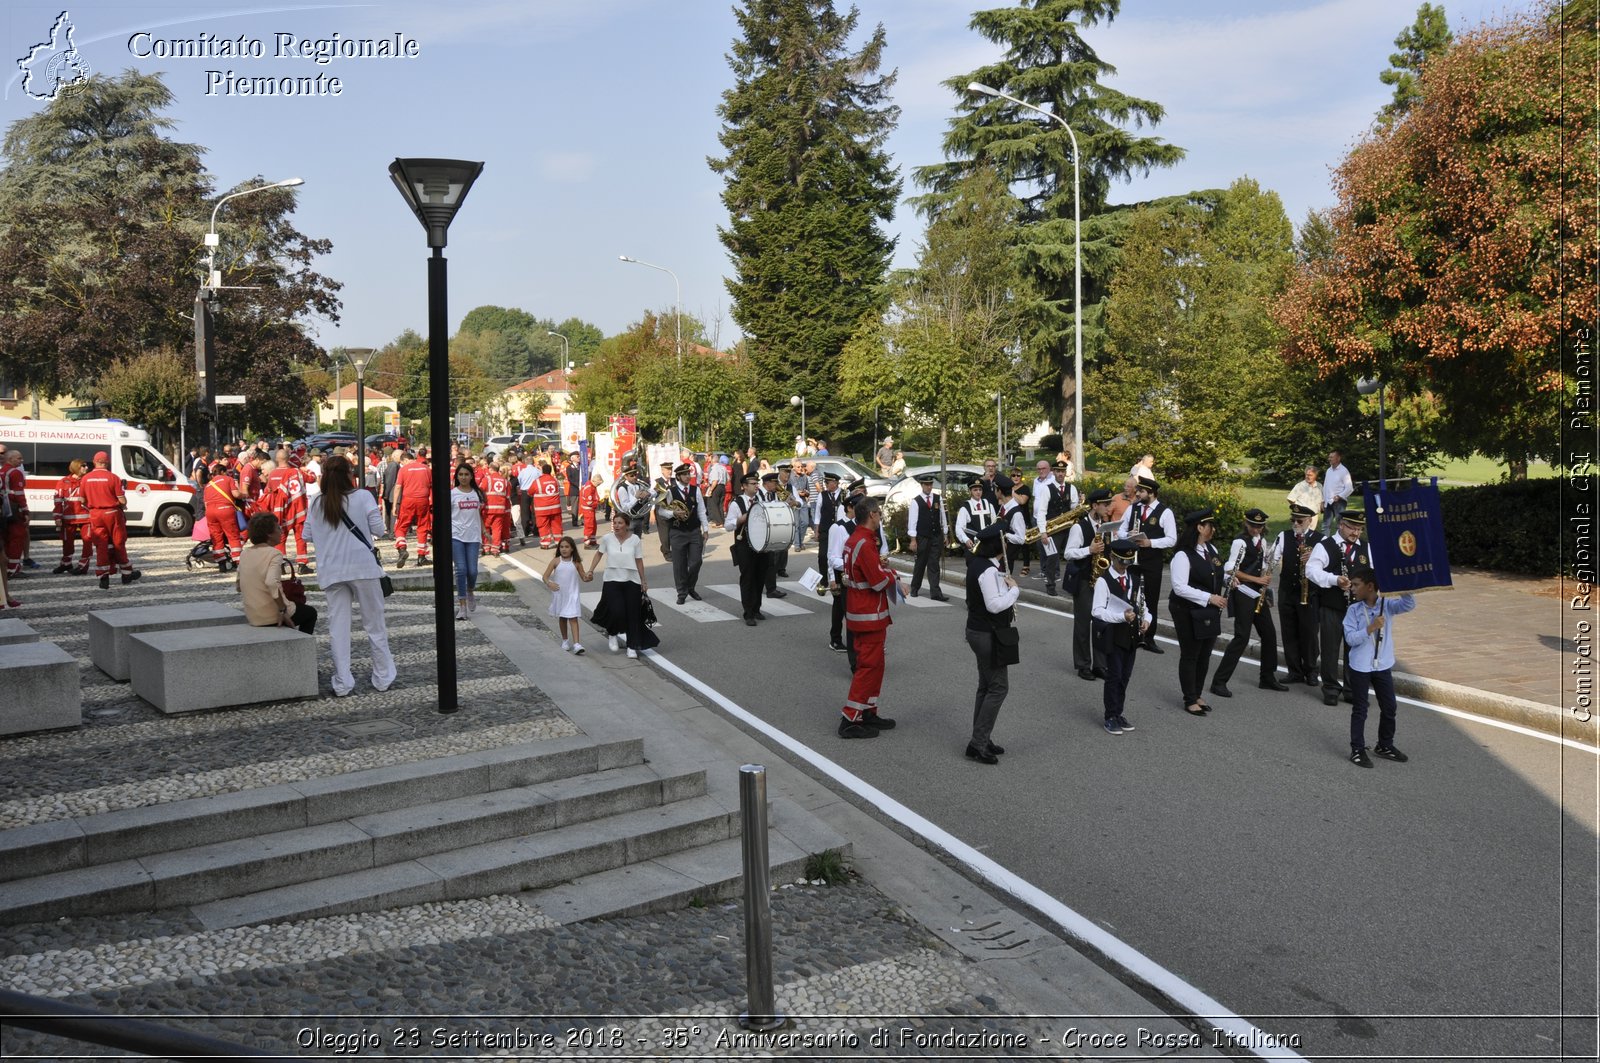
(1056, 525)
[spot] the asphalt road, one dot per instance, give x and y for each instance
(1443, 908)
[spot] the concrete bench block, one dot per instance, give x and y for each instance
(212, 668)
(13, 631)
(41, 684)
(109, 629)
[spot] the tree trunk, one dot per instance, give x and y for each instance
(1518, 467)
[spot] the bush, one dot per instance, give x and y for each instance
(1504, 526)
(1188, 496)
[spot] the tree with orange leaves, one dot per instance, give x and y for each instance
(1464, 243)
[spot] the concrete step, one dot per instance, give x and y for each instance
(703, 874)
(229, 868)
(509, 866)
(61, 845)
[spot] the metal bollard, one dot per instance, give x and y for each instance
(762, 1014)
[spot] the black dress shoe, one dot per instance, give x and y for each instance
(1099, 673)
(837, 647)
(1084, 673)
(695, 595)
(994, 750)
(939, 597)
(779, 593)
(1273, 684)
(1294, 678)
(1154, 647)
(1330, 699)
(749, 621)
(783, 573)
(682, 598)
(1221, 690)
(982, 756)
(914, 592)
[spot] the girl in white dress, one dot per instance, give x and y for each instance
(562, 576)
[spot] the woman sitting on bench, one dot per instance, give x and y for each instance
(265, 575)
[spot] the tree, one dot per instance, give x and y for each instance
(615, 380)
(151, 388)
(807, 186)
(1419, 42)
(1048, 63)
(704, 390)
(101, 220)
(1464, 245)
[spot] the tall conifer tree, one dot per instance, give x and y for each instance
(808, 186)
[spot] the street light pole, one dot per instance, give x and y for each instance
(1366, 386)
(1077, 265)
(677, 321)
(213, 279)
(359, 357)
(566, 348)
(800, 401)
(434, 189)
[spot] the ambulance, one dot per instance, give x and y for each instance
(160, 499)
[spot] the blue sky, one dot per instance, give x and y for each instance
(595, 118)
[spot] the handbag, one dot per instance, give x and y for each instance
(383, 581)
(1206, 622)
(647, 611)
(1007, 644)
(293, 589)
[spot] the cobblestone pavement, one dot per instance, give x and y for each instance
(843, 954)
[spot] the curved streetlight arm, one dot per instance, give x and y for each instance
(211, 233)
(677, 318)
(1077, 261)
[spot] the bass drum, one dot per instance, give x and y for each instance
(771, 527)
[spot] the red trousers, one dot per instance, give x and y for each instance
(549, 527)
(16, 542)
(298, 530)
(497, 531)
(73, 532)
(867, 682)
(418, 513)
(226, 540)
(588, 525)
(108, 531)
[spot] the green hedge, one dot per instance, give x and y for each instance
(1507, 527)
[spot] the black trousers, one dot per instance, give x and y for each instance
(714, 500)
(1086, 649)
(1018, 552)
(1119, 670)
(751, 576)
(993, 685)
(836, 631)
(1335, 654)
(305, 618)
(1194, 654)
(1152, 598)
(929, 551)
(687, 550)
(1302, 630)
(1245, 617)
(772, 566)
(1051, 562)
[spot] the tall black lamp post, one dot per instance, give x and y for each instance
(1366, 386)
(359, 357)
(434, 189)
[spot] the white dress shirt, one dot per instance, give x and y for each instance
(1180, 575)
(997, 597)
(1111, 608)
(1236, 555)
(1317, 564)
(1132, 519)
(974, 512)
(1336, 483)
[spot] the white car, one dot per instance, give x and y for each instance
(959, 478)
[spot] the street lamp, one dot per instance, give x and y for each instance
(434, 189)
(213, 277)
(566, 348)
(359, 357)
(1366, 386)
(799, 400)
(677, 320)
(1000, 428)
(1077, 264)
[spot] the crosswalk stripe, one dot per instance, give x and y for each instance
(922, 603)
(700, 612)
(771, 606)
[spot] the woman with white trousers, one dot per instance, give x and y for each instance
(343, 523)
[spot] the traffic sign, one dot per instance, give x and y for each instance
(749, 416)
(230, 400)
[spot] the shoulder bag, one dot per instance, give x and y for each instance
(293, 590)
(383, 581)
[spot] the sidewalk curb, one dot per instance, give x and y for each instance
(1534, 715)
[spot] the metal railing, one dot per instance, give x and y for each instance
(78, 1023)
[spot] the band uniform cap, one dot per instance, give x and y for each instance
(1296, 510)
(1060, 465)
(1100, 494)
(858, 484)
(768, 476)
(830, 475)
(750, 478)
(1255, 516)
(928, 479)
(1357, 519)
(1126, 549)
(666, 465)
(1003, 484)
(101, 455)
(976, 485)
(1148, 483)
(685, 467)
(1199, 517)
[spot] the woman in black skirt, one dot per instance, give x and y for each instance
(1196, 606)
(621, 610)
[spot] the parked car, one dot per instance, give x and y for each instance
(328, 440)
(848, 469)
(957, 477)
(540, 440)
(384, 441)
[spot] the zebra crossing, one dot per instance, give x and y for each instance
(706, 612)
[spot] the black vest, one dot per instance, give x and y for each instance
(1289, 578)
(1124, 636)
(1332, 548)
(686, 495)
(1149, 557)
(978, 616)
(1057, 505)
(1250, 561)
(1204, 575)
(741, 535)
(927, 510)
(827, 513)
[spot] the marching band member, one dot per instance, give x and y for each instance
(663, 483)
(991, 633)
(413, 505)
(1328, 568)
(867, 587)
(1051, 498)
(107, 500)
(1022, 499)
(1083, 546)
(72, 518)
(749, 562)
(1196, 606)
(223, 495)
(827, 507)
(1150, 523)
(785, 493)
(1301, 623)
(588, 503)
(976, 513)
(772, 563)
(288, 493)
(1121, 619)
(1247, 567)
(928, 527)
(686, 536)
(1370, 637)
(496, 488)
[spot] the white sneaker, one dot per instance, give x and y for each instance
(611, 640)
(472, 604)
(461, 612)
(577, 649)
(633, 654)
(565, 645)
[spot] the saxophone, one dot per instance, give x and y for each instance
(1056, 525)
(1305, 584)
(1103, 562)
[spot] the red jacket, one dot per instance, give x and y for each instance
(415, 484)
(102, 489)
(286, 493)
(588, 498)
(546, 494)
(16, 488)
(866, 583)
(70, 506)
(496, 493)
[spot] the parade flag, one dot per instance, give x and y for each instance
(1405, 536)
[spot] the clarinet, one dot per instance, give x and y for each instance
(1270, 560)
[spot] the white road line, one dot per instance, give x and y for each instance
(701, 612)
(774, 606)
(1192, 999)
